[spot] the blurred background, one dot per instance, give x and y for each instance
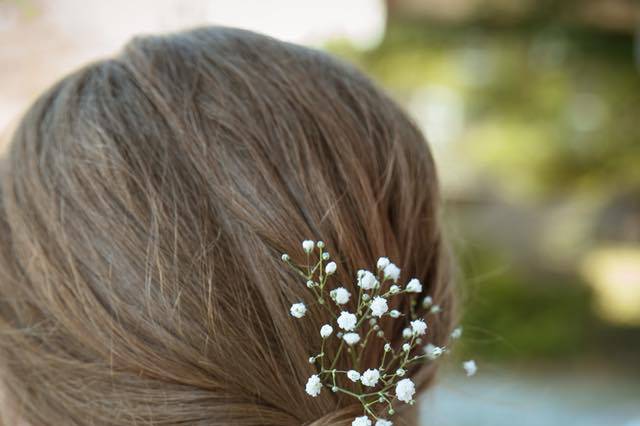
(532, 109)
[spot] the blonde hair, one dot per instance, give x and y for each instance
(145, 202)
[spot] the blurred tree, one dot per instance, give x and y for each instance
(531, 109)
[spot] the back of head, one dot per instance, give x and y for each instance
(145, 202)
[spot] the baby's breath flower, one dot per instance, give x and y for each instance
(427, 301)
(340, 295)
(325, 331)
(347, 321)
(392, 272)
(353, 375)
(414, 286)
(307, 246)
(372, 305)
(470, 367)
(382, 263)
(405, 389)
(435, 309)
(361, 421)
(351, 338)
(314, 386)
(367, 281)
(419, 327)
(456, 333)
(379, 306)
(370, 377)
(432, 351)
(298, 310)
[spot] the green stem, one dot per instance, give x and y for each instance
(335, 360)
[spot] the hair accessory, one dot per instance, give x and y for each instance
(376, 293)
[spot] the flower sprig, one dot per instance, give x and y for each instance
(377, 388)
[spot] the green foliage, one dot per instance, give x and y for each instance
(549, 110)
(513, 317)
(550, 115)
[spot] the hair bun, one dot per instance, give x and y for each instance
(142, 204)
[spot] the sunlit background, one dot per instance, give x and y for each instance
(532, 108)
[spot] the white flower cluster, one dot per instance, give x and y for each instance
(470, 367)
(359, 320)
(314, 385)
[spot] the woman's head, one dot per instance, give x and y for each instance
(145, 202)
